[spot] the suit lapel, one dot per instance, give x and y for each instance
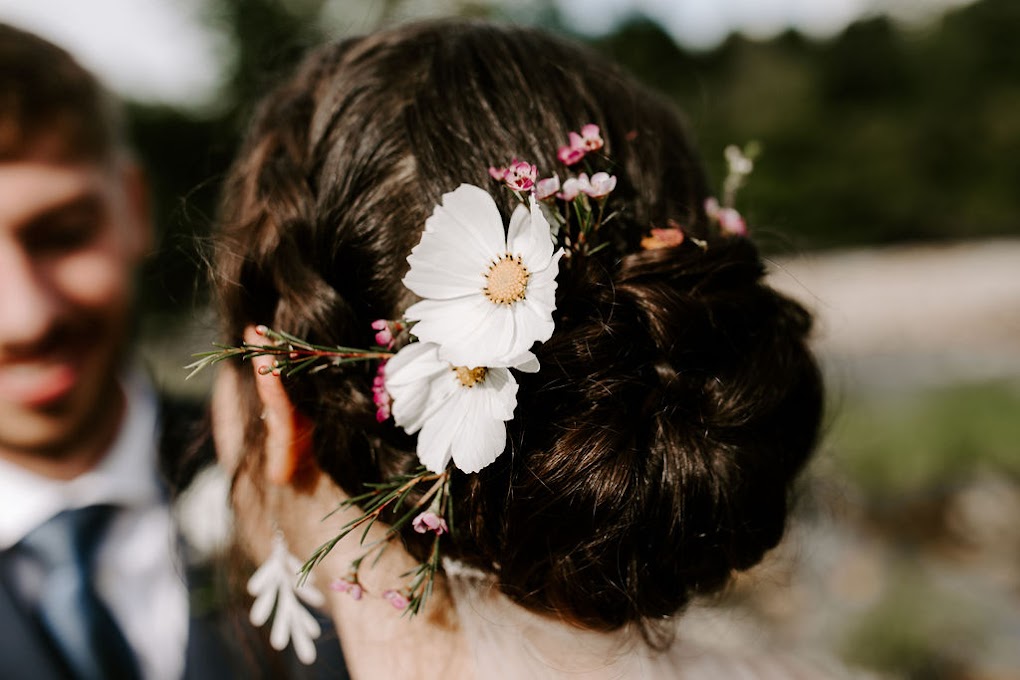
(24, 653)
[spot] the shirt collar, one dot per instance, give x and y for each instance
(126, 476)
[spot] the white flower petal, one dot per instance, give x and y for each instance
(481, 439)
(445, 280)
(462, 235)
(469, 215)
(500, 394)
(444, 321)
(490, 344)
(529, 314)
(438, 433)
(413, 363)
(408, 410)
(442, 388)
(526, 363)
(409, 378)
(530, 236)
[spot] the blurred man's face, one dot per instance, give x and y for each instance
(70, 237)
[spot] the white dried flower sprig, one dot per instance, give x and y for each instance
(279, 588)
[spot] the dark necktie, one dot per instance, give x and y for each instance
(69, 609)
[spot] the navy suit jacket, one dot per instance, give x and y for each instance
(222, 645)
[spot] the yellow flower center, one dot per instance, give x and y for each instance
(506, 280)
(469, 377)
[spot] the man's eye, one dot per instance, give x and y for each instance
(69, 230)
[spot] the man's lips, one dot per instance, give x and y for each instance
(35, 384)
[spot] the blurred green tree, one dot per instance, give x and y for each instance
(881, 134)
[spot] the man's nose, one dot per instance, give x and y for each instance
(29, 304)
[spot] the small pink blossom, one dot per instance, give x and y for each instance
(430, 521)
(590, 137)
(380, 396)
(600, 185)
(384, 336)
(712, 207)
(498, 174)
(572, 186)
(569, 155)
(351, 587)
(731, 222)
(547, 188)
(521, 176)
(397, 599)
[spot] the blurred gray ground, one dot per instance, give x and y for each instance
(912, 316)
(904, 554)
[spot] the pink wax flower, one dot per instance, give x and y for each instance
(380, 397)
(498, 174)
(429, 521)
(600, 185)
(384, 336)
(731, 222)
(712, 207)
(572, 186)
(349, 586)
(590, 137)
(397, 599)
(521, 176)
(547, 188)
(570, 155)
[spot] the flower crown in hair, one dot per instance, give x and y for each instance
(488, 292)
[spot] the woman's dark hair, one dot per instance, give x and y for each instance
(653, 453)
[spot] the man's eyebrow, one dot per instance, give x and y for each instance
(88, 201)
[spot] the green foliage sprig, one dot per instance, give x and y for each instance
(293, 355)
(391, 498)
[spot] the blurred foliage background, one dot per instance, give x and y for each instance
(880, 135)
(904, 560)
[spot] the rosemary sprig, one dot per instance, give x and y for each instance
(293, 355)
(392, 496)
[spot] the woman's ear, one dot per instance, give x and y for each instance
(288, 433)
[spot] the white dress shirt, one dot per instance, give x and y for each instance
(138, 573)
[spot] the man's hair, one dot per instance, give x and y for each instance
(50, 106)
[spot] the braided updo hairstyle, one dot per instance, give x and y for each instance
(653, 453)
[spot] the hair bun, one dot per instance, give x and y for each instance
(653, 452)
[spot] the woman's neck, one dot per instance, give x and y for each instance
(378, 640)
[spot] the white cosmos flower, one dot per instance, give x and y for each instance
(461, 412)
(488, 295)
